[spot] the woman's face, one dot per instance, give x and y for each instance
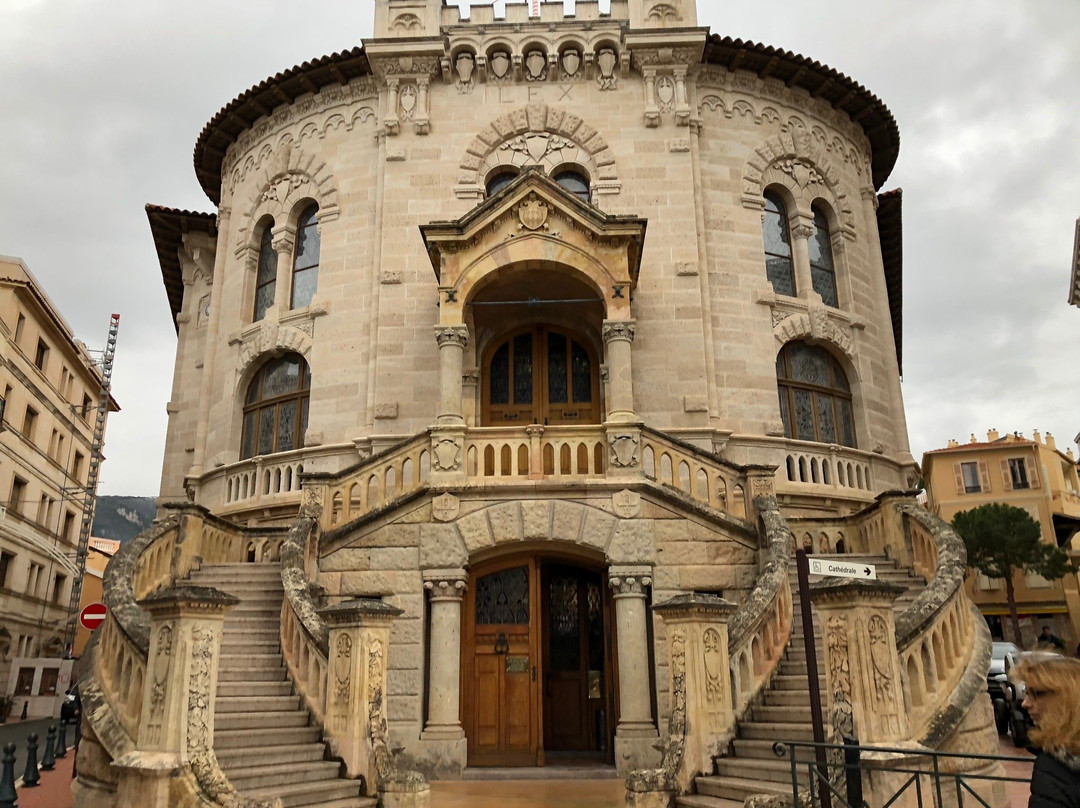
(1037, 700)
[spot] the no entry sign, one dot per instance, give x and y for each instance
(92, 616)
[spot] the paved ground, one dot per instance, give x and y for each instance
(1018, 792)
(54, 790)
(16, 731)
(528, 794)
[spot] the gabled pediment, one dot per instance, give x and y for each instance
(535, 221)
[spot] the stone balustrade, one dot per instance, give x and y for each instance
(535, 452)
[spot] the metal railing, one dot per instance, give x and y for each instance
(933, 779)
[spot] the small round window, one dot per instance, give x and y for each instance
(575, 182)
(500, 181)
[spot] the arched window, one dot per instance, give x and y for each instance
(305, 277)
(815, 398)
(778, 265)
(499, 181)
(575, 182)
(276, 407)
(822, 273)
(266, 276)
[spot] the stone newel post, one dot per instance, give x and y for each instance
(635, 732)
(864, 691)
(700, 680)
(446, 588)
(356, 683)
(177, 724)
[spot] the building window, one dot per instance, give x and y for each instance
(822, 273)
(29, 423)
(276, 407)
(970, 472)
(20, 325)
(41, 356)
(266, 276)
(6, 560)
(305, 278)
(815, 398)
(24, 685)
(18, 495)
(1018, 473)
(33, 579)
(778, 264)
(69, 525)
(87, 406)
(499, 181)
(49, 678)
(77, 466)
(59, 580)
(575, 182)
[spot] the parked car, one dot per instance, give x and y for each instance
(1019, 722)
(1003, 658)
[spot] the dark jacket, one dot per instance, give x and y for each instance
(1055, 782)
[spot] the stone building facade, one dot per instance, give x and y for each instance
(504, 331)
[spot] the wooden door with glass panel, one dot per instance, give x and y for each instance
(541, 375)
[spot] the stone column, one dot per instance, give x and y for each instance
(635, 732)
(446, 588)
(176, 730)
(356, 683)
(390, 121)
(652, 112)
(452, 340)
(284, 240)
(802, 227)
(618, 337)
(700, 671)
(864, 693)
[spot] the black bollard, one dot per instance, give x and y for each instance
(61, 739)
(31, 777)
(7, 778)
(48, 759)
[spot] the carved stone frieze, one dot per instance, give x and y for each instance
(816, 323)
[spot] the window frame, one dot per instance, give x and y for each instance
(965, 467)
(265, 251)
(1019, 481)
(304, 229)
(577, 171)
(493, 184)
(787, 386)
(301, 396)
(826, 249)
(771, 195)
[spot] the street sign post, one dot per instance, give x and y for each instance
(831, 567)
(92, 616)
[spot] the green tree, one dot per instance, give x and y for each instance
(1002, 540)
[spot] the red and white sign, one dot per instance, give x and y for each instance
(92, 616)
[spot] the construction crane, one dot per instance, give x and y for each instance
(90, 490)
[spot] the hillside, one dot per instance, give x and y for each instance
(123, 518)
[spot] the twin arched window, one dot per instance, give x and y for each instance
(276, 407)
(815, 397)
(573, 180)
(305, 269)
(779, 261)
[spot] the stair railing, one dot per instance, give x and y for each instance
(304, 634)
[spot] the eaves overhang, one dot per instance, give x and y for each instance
(891, 235)
(168, 227)
(1074, 286)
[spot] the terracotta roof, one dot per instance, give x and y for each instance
(997, 444)
(891, 235)
(168, 226)
(821, 81)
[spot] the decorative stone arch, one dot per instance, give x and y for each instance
(817, 326)
(796, 161)
(537, 135)
(269, 340)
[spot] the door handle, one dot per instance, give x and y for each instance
(502, 645)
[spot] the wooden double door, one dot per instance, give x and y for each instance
(538, 647)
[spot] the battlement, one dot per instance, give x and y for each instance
(550, 12)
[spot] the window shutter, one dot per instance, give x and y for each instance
(959, 472)
(1032, 472)
(984, 476)
(1006, 475)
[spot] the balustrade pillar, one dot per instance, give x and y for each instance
(700, 680)
(176, 730)
(356, 684)
(618, 337)
(635, 732)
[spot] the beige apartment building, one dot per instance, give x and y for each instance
(50, 396)
(1032, 474)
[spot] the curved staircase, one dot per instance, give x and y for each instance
(783, 712)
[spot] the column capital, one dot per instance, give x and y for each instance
(446, 584)
(629, 581)
(802, 226)
(283, 237)
(452, 335)
(616, 330)
(359, 613)
(188, 601)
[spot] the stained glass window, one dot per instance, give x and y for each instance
(305, 278)
(276, 406)
(500, 375)
(502, 598)
(557, 383)
(778, 264)
(565, 624)
(500, 181)
(523, 381)
(266, 275)
(815, 397)
(822, 273)
(576, 183)
(582, 374)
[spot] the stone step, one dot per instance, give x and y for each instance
(763, 750)
(785, 698)
(251, 626)
(787, 681)
(251, 704)
(260, 648)
(238, 757)
(266, 674)
(776, 731)
(772, 771)
(253, 739)
(264, 720)
(283, 774)
(262, 689)
(318, 793)
(783, 714)
(738, 788)
(230, 660)
(702, 801)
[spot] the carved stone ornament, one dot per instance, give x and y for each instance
(447, 454)
(445, 507)
(452, 335)
(801, 171)
(665, 93)
(535, 66)
(160, 672)
(464, 65)
(712, 659)
(537, 145)
(407, 102)
(342, 667)
(614, 330)
(762, 487)
(406, 23)
(533, 213)
(630, 585)
(499, 64)
(606, 61)
(623, 450)
(571, 61)
(836, 639)
(626, 504)
(885, 693)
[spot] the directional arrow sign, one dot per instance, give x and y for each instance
(842, 569)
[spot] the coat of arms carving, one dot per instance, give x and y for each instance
(533, 213)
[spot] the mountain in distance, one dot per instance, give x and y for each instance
(122, 518)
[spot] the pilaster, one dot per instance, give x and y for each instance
(635, 733)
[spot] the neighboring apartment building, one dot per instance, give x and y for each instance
(1031, 474)
(50, 393)
(98, 554)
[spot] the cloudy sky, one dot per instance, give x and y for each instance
(101, 103)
